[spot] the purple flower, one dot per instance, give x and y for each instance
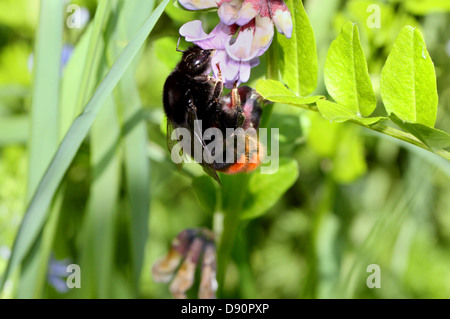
(66, 54)
(241, 12)
(244, 33)
(180, 264)
(57, 274)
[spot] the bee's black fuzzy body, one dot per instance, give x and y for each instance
(189, 89)
(190, 94)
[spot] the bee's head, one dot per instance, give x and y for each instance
(195, 61)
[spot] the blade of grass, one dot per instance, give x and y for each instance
(36, 213)
(98, 229)
(73, 81)
(137, 170)
(44, 108)
(97, 248)
(137, 166)
(44, 138)
(34, 269)
(34, 273)
(94, 50)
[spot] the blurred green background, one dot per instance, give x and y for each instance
(360, 198)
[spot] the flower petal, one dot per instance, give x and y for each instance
(219, 60)
(186, 274)
(254, 62)
(244, 72)
(193, 32)
(163, 269)
(221, 34)
(241, 48)
(281, 16)
(263, 36)
(264, 9)
(231, 72)
(228, 11)
(224, 33)
(249, 10)
(183, 241)
(198, 4)
(208, 283)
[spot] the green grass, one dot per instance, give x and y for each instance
(36, 213)
(86, 178)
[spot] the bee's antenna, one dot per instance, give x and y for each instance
(178, 44)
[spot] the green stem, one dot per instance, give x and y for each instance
(406, 137)
(234, 190)
(390, 131)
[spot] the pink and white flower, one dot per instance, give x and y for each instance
(241, 12)
(244, 33)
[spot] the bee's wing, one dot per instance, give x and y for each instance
(196, 139)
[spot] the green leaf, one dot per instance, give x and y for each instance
(408, 80)
(36, 213)
(338, 113)
(435, 139)
(299, 63)
(276, 92)
(346, 75)
(205, 190)
(323, 136)
(349, 162)
(341, 143)
(264, 190)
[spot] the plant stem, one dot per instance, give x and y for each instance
(228, 222)
(406, 137)
(390, 131)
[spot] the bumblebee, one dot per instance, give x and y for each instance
(191, 95)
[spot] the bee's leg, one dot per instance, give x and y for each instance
(237, 106)
(218, 85)
(203, 78)
(218, 89)
(190, 100)
(235, 97)
(214, 103)
(220, 71)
